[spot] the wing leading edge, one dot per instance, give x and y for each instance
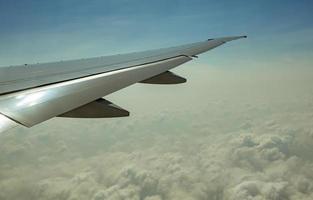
(35, 93)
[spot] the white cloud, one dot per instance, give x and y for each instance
(227, 146)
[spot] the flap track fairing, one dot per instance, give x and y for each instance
(165, 78)
(100, 108)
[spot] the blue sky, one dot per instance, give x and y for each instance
(37, 31)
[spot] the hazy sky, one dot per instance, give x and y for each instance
(37, 31)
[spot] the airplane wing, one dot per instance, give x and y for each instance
(33, 93)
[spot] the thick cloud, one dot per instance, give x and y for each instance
(227, 146)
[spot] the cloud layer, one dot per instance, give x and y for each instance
(240, 141)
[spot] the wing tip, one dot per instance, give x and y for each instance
(227, 39)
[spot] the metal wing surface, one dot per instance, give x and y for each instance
(31, 94)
